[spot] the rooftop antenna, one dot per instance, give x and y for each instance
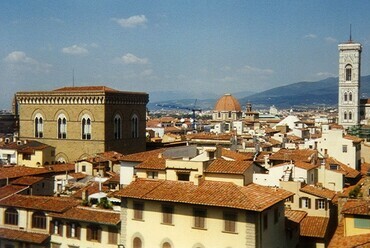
(350, 32)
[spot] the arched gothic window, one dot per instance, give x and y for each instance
(11, 216)
(350, 96)
(86, 127)
(117, 127)
(350, 115)
(134, 126)
(348, 72)
(345, 96)
(62, 127)
(39, 126)
(345, 115)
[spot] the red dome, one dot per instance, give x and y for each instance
(227, 103)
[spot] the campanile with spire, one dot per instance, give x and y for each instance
(349, 83)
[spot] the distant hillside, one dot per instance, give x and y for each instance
(323, 92)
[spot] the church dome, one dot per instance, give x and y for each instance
(227, 103)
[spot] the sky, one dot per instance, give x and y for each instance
(199, 47)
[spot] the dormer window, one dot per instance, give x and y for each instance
(183, 176)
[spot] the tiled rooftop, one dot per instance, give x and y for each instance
(295, 215)
(357, 207)
(342, 168)
(20, 171)
(10, 189)
(44, 203)
(340, 241)
(88, 214)
(318, 191)
(228, 167)
(353, 138)
(305, 155)
(86, 88)
(211, 193)
(22, 236)
(27, 180)
(313, 226)
(153, 163)
(142, 156)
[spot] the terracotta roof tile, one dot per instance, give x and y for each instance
(295, 216)
(10, 189)
(23, 236)
(20, 171)
(313, 226)
(318, 191)
(357, 207)
(142, 156)
(304, 165)
(228, 167)
(86, 88)
(44, 203)
(339, 240)
(305, 155)
(78, 175)
(210, 136)
(87, 214)
(153, 164)
(91, 188)
(211, 193)
(27, 180)
(353, 138)
(227, 103)
(341, 168)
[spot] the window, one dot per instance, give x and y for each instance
(265, 221)
(39, 126)
(39, 220)
(117, 127)
(344, 148)
(345, 115)
(137, 243)
(83, 169)
(350, 115)
(86, 127)
(350, 96)
(289, 199)
(93, 233)
(345, 96)
(11, 216)
(199, 217)
(167, 212)
(26, 156)
(55, 245)
(305, 202)
(348, 73)
(230, 222)
(152, 174)
(183, 176)
(321, 204)
(229, 114)
(56, 227)
(362, 223)
(73, 230)
(112, 235)
(62, 127)
(138, 210)
(134, 126)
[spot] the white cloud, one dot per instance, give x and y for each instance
(331, 40)
(310, 36)
(129, 58)
(19, 61)
(249, 69)
(131, 22)
(75, 50)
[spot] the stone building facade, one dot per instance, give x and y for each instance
(83, 121)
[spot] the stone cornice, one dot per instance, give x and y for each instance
(95, 98)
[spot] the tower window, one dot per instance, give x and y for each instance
(350, 115)
(134, 126)
(345, 96)
(86, 127)
(350, 96)
(117, 127)
(348, 73)
(62, 127)
(345, 115)
(39, 126)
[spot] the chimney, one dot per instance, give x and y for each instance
(85, 194)
(197, 179)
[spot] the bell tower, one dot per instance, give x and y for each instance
(349, 83)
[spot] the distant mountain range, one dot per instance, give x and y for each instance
(296, 95)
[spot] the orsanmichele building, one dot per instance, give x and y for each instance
(83, 121)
